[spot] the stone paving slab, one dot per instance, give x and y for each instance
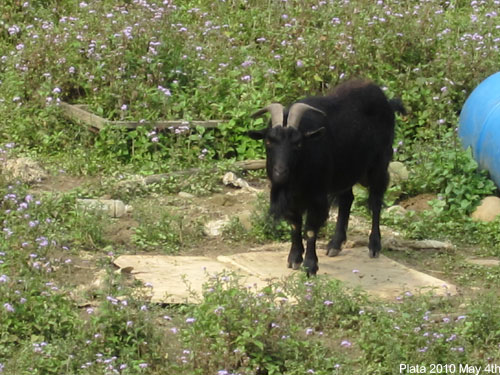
(382, 277)
(174, 278)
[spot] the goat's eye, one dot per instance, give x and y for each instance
(270, 141)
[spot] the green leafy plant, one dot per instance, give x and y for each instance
(452, 173)
(264, 226)
(163, 230)
(162, 60)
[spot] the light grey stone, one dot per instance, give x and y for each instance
(397, 172)
(488, 210)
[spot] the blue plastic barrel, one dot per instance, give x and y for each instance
(480, 125)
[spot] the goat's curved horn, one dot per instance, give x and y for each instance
(276, 110)
(297, 110)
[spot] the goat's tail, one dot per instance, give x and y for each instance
(397, 105)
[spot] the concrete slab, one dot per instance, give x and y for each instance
(175, 278)
(382, 277)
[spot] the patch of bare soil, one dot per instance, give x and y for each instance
(121, 230)
(82, 265)
(418, 203)
(228, 204)
(63, 183)
(224, 206)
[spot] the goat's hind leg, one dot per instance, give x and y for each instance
(378, 185)
(345, 202)
(295, 256)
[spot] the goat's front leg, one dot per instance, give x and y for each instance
(311, 260)
(316, 217)
(295, 256)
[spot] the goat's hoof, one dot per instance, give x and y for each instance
(311, 270)
(332, 252)
(296, 266)
(310, 273)
(373, 253)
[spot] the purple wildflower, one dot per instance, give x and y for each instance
(346, 344)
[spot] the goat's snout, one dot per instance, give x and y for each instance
(280, 173)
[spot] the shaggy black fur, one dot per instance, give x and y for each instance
(324, 158)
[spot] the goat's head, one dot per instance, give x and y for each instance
(283, 139)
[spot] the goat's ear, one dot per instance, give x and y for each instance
(314, 133)
(257, 134)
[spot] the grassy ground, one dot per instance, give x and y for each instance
(149, 60)
(66, 310)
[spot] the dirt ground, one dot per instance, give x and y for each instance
(230, 202)
(418, 203)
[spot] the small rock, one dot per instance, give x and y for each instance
(230, 179)
(398, 172)
(24, 169)
(214, 228)
(488, 210)
(185, 195)
(397, 210)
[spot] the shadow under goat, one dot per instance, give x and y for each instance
(317, 150)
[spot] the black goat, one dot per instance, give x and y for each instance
(317, 150)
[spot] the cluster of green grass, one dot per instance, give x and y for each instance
(294, 326)
(40, 325)
(155, 60)
(138, 60)
(150, 60)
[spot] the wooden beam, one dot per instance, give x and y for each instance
(161, 125)
(245, 165)
(77, 113)
(80, 113)
(250, 165)
(156, 178)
